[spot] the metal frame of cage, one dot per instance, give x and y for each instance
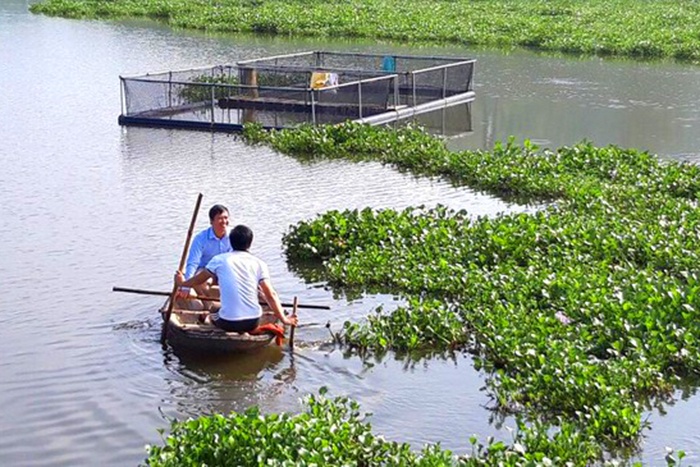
(400, 85)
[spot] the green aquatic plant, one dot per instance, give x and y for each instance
(422, 325)
(327, 432)
(581, 312)
(644, 30)
(333, 431)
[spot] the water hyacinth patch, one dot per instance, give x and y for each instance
(327, 432)
(644, 30)
(423, 325)
(613, 250)
(335, 432)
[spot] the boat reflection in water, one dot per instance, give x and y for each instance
(229, 367)
(208, 384)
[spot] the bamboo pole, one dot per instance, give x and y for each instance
(291, 332)
(183, 258)
(208, 299)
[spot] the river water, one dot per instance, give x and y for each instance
(87, 205)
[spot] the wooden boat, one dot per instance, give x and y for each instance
(186, 332)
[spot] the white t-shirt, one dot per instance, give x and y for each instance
(239, 274)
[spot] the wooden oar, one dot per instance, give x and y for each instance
(291, 331)
(208, 299)
(183, 258)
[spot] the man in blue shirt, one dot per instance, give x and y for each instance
(205, 245)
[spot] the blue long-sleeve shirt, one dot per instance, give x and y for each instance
(204, 247)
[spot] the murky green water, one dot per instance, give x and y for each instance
(87, 205)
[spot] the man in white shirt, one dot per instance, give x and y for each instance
(240, 275)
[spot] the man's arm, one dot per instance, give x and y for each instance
(195, 255)
(200, 278)
(274, 302)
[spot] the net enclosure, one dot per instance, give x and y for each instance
(285, 91)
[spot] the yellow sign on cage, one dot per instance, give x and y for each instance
(322, 79)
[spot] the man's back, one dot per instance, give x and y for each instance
(238, 274)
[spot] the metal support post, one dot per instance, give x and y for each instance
(359, 96)
(313, 107)
(444, 82)
(212, 104)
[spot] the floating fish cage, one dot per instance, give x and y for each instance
(289, 90)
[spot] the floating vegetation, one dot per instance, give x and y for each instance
(335, 432)
(624, 28)
(580, 313)
(328, 432)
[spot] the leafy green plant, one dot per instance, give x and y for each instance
(644, 30)
(580, 312)
(327, 432)
(335, 432)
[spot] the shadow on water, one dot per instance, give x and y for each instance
(226, 367)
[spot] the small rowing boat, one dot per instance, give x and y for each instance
(186, 331)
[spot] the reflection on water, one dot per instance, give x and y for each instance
(449, 122)
(86, 205)
(228, 383)
(245, 366)
(560, 101)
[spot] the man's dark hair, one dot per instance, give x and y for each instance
(216, 210)
(241, 238)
